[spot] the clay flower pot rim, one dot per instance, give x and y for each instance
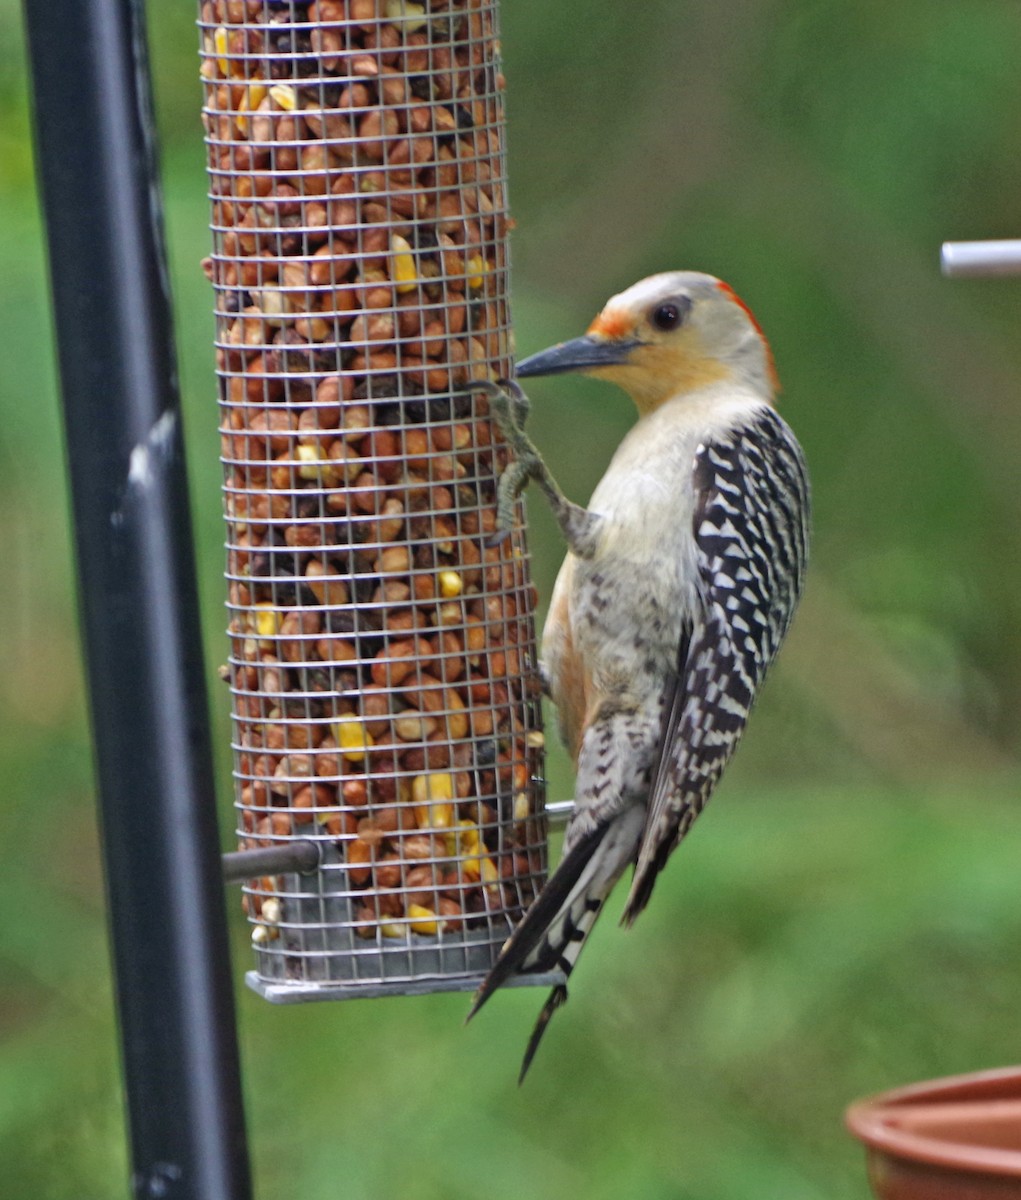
(995, 1093)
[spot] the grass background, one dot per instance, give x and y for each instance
(845, 917)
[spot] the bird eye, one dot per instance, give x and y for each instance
(668, 316)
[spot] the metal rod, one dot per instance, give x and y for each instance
(559, 812)
(980, 259)
(138, 603)
(304, 856)
(239, 865)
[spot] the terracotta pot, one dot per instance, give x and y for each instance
(949, 1139)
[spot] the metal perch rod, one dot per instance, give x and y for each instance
(304, 856)
(981, 259)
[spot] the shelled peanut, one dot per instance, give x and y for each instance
(381, 647)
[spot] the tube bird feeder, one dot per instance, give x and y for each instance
(382, 665)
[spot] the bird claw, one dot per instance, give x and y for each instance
(509, 408)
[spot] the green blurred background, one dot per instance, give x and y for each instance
(845, 918)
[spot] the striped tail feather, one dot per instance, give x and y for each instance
(553, 931)
(557, 997)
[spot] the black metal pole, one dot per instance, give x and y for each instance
(93, 121)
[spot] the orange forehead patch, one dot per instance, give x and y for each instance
(610, 324)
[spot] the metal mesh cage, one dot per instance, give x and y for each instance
(382, 651)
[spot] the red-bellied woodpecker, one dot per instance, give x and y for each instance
(680, 583)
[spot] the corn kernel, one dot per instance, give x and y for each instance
(535, 739)
(391, 929)
(254, 95)
(353, 739)
(422, 919)
(267, 620)
(436, 816)
(402, 265)
(520, 806)
(468, 840)
(311, 459)
(476, 271)
(220, 46)
(451, 584)
(410, 14)
(437, 786)
(481, 867)
(284, 96)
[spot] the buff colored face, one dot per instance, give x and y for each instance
(665, 336)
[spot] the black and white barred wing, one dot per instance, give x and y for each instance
(751, 534)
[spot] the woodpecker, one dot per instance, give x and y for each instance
(680, 582)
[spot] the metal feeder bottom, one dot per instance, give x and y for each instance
(319, 955)
(279, 993)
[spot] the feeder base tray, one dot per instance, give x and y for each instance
(298, 993)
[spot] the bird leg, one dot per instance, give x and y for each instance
(509, 407)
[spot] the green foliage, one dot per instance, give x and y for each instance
(844, 917)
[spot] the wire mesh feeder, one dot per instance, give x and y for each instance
(382, 654)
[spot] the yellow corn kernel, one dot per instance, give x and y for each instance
(267, 620)
(468, 840)
(353, 739)
(254, 95)
(480, 867)
(471, 868)
(422, 919)
(463, 841)
(220, 46)
(521, 806)
(391, 929)
(310, 457)
(411, 15)
(535, 739)
(435, 816)
(437, 786)
(451, 584)
(317, 465)
(476, 271)
(402, 265)
(284, 96)
(432, 795)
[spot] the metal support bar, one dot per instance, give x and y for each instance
(304, 855)
(138, 603)
(301, 856)
(559, 812)
(981, 259)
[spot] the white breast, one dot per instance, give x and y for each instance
(627, 604)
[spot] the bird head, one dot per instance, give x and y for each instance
(665, 336)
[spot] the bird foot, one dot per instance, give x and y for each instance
(509, 408)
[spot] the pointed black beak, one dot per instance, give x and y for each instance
(585, 353)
